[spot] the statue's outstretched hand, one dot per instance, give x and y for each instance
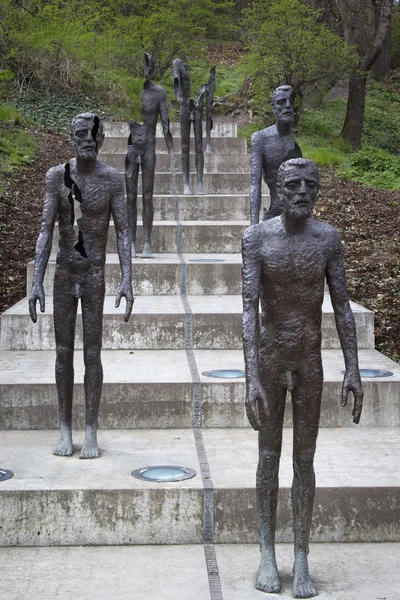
(37, 294)
(125, 290)
(256, 404)
(352, 383)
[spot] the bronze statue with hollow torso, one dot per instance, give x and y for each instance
(286, 260)
(84, 193)
(142, 152)
(269, 148)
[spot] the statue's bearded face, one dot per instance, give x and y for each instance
(87, 137)
(298, 188)
(282, 108)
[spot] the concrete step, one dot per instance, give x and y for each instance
(197, 237)
(121, 129)
(138, 395)
(159, 322)
(162, 274)
(232, 163)
(233, 207)
(352, 571)
(55, 501)
(214, 183)
(219, 145)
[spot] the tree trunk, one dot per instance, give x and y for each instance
(352, 128)
(354, 121)
(381, 66)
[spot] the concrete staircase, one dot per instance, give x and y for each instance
(159, 407)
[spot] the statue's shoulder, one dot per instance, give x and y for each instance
(264, 133)
(255, 233)
(325, 230)
(107, 172)
(55, 176)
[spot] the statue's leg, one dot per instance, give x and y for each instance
(148, 169)
(92, 320)
(64, 309)
(198, 142)
(267, 484)
(131, 181)
(185, 140)
(209, 124)
(306, 399)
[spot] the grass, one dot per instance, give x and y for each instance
(377, 163)
(17, 145)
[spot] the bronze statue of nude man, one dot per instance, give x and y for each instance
(142, 151)
(285, 263)
(270, 147)
(84, 192)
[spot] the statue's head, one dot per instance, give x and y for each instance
(149, 65)
(87, 135)
(282, 105)
(181, 78)
(297, 185)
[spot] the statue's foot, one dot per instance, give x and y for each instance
(303, 586)
(90, 448)
(208, 150)
(200, 190)
(268, 577)
(64, 446)
(133, 250)
(147, 251)
(187, 190)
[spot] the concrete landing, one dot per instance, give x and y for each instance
(55, 500)
(154, 389)
(159, 322)
(341, 572)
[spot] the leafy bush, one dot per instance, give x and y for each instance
(374, 167)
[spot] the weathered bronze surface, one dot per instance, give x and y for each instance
(86, 193)
(286, 260)
(271, 147)
(190, 112)
(142, 151)
(210, 90)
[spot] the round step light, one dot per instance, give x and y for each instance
(163, 473)
(206, 260)
(225, 373)
(4, 474)
(369, 373)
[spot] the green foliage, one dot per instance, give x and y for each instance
(374, 167)
(287, 44)
(377, 164)
(70, 47)
(17, 146)
(382, 117)
(9, 114)
(54, 110)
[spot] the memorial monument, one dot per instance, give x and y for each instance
(271, 147)
(142, 152)
(286, 260)
(190, 111)
(86, 193)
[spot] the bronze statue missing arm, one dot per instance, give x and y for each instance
(210, 90)
(142, 152)
(85, 193)
(190, 111)
(285, 262)
(271, 147)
